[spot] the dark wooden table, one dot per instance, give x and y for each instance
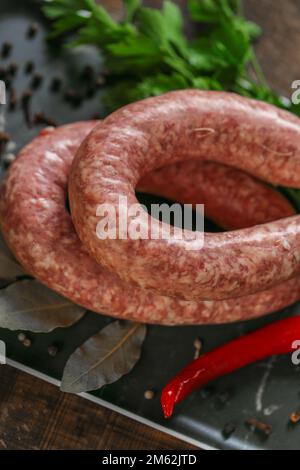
(36, 415)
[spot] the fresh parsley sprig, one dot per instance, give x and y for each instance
(148, 52)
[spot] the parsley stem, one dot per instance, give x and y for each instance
(257, 69)
(239, 8)
(253, 59)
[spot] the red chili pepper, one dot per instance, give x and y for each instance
(277, 338)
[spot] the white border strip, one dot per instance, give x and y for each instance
(110, 406)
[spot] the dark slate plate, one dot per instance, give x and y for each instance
(268, 391)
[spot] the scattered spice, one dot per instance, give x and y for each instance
(29, 67)
(228, 430)
(12, 99)
(8, 83)
(55, 84)
(149, 394)
(32, 30)
(73, 97)
(9, 158)
(295, 417)
(27, 343)
(256, 425)
(10, 147)
(198, 347)
(26, 102)
(37, 81)
(52, 350)
(41, 118)
(4, 139)
(197, 343)
(6, 49)
(6, 77)
(2, 73)
(22, 337)
(12, 69)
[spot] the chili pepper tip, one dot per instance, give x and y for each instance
(167, 402)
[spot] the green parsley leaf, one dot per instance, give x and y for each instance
(131, 7)
(209, 11)
(148, 52)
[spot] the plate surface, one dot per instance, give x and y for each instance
(268, 391)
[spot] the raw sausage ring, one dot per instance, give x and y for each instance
(232, 199)
(39, 230)
(253, 136)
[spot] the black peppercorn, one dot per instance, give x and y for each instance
(25, 101)
(73, 97)
(6, 49)
(36, 81)
(12, 69)
(55, 84)
(32, 30)
(228, 430)
(41, 118)
(29, 67)
(12, 99)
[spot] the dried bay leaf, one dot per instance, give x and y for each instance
(28, 305)
(104, 358)
(9, 267)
